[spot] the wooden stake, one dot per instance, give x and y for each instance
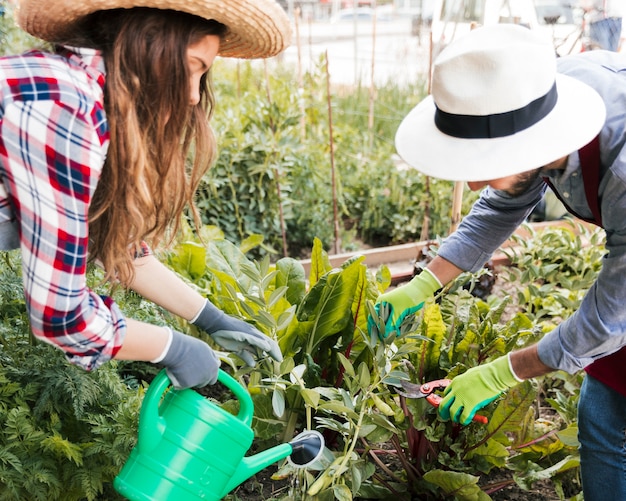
(372, 94)
(337, 244)
(283, 230)
(300, 81)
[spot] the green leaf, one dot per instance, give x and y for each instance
(569, 436)
(328, 304)
(225, 258)
(311, 397)
(60, 446)
(435, 330)
(342, 493)
(339, 409)
(278, 402)
(320, 264)
(286, 366)
(253, 241)
(364, 376)
(346, 364)
(460, 485)
(265, 424)
(383, 278)
(360, 296)
(512, 408)
(189, 259)
(492, 451)
(291, 275)
(357, 477)
(569, 463)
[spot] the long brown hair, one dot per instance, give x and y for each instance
(146, 181)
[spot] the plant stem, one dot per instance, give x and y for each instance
(355, 438)
(378, 461)
(290, 426)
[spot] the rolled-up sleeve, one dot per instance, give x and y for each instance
(51, 156)
(491, 221)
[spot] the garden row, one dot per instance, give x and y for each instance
(68, 432)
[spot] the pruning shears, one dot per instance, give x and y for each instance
(427, 391)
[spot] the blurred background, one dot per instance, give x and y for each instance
(396, 40)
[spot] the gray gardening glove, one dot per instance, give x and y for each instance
(236, 335)
(190, 362)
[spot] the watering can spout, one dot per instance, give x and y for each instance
(303, 451)
(250, 466)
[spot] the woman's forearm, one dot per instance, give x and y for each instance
(144, 342)
(157, 283)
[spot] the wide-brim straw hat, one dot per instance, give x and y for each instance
(497, 108)
(256, 28)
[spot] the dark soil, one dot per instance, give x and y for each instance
(262, 488)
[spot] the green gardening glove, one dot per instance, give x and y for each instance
(476, 388)
(403, 301)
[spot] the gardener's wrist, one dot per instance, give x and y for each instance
(526, 364)
(166, 347)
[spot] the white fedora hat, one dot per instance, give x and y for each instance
(255, 28)
(498, 108)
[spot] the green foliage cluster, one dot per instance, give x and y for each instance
(275, 162)
(554, 268)
(337, 379)
(66, 432)
(12, 39)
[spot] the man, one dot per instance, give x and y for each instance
(502, 118)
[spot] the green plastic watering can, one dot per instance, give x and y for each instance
(189, 448)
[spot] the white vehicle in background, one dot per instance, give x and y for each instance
(360, 14)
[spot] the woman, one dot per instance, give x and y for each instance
(93, 143)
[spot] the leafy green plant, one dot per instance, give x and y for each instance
(74, 429)
(555, 267)
(273, 173)
(66, 432)
(338, 379)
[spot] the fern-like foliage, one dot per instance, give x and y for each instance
(65, 432)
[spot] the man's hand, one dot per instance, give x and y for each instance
(403, 301)
(476, 388)
(236, 335)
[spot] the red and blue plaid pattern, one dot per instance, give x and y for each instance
(53, 141)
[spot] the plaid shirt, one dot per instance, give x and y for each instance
(53, 141)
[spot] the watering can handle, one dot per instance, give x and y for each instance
(246, 407)
(152, 424)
